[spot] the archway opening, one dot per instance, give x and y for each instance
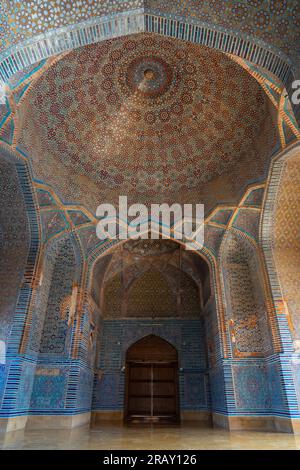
(152, 389)
(153, 289)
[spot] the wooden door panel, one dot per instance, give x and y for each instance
(138, 372)
(139, 406)
(140, 389)
(152, 391)
(152, 381)
(163, 372)
(162, 388)
(164, 407)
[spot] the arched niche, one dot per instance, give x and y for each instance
(188, 333)
(52, 328)
(56, 299)
(245, 297)
(116, 274)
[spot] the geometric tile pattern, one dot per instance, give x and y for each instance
(55, 332)
(151, 295)
(130, 93)
(141, 84)
(49, 390)
(223, 25)
(117, 335)
(252, 389)
(153, 279)
(70, 388)
(245, 300)
(275, 22)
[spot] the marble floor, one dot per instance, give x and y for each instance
(115, 436)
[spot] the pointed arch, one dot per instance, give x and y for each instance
(245, 297)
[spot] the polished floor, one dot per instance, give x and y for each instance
(112, 437)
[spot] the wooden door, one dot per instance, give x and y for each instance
(152, 382)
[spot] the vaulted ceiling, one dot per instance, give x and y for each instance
(148, 107)
(156, 119)
(151, 278)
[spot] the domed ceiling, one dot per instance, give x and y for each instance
(156, 119)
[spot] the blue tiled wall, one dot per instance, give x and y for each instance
(188, 338)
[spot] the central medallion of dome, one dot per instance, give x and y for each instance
(149, 76)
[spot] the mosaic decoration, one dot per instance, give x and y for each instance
(189, 381)
(246, 310)
(53, 222)
(21, 79)
(213, 238)
(55, 332)
(25, 386)
(113, 296)
(157, 156)
(222, 217)
(224, 26)
(277, 396)
(118, 335)
(252, 390)
(211, 332)
(286, 240)
(150, 247)
(296, 374)
(267, 243)
(23, 20)
(254, 199)
(143, 299)
(218, 392)
(169, 130)
(78, 218)
(152, 278)
(281, 217)
(85, 388)
(41, 301)
(275, 22)
(248, 222)
(48, 391)
(44, 198)
(14, 243)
